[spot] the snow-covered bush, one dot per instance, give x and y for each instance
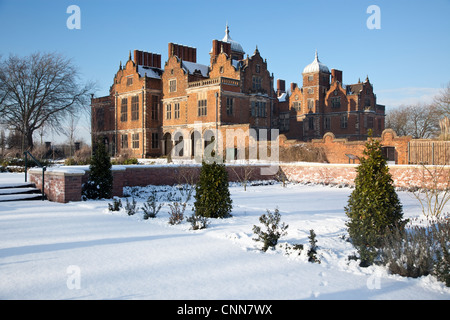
(151, 208)
(116, 205)
(419, 250)
(197, 221)
(176, 213)
(131, 207)
(273, 232)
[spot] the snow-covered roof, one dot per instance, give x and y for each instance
(235, 46)
(192, 67)
(282, 97)
(316, 66)
(236, 64)
(151, 72)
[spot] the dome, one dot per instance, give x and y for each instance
(316, 66)
(235, 46)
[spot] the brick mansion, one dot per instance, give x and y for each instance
(149, 103)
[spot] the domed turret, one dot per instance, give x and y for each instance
(235, 46)
(316, 66)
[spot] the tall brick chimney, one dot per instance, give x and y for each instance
(281, 86)
(218, 46)
(147, 59)
(336, 75)
(293, 86)
(183, 52)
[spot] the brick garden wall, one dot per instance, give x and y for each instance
(337, 149)
(64, 184)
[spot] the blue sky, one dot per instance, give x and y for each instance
(407, 59)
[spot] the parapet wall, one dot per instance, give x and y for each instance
(64, 184)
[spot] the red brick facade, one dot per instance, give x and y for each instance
(151, 109)
(324, 104)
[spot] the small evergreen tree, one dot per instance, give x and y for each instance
(373, 206)
(212, 196)
(100, 182)
(273, 232)
(313, 247)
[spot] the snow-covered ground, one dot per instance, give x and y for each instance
(81, 250)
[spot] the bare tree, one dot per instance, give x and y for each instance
(421, 121)
(433, 191)
(397, 120)
(424, 120)
(37, 89)
(69, 129)
(442, 101)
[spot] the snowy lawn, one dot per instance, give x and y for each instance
(81, 250)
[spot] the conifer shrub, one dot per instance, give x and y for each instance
(212, 195)
(312, 252)
(100, 182)
(373, 206)
(273, 231)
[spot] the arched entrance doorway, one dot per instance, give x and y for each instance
(167, 144)
(196, 144)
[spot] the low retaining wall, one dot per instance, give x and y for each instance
(64, 184)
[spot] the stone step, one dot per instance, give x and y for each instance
(19, 192)
(20, 197)
(17, 185)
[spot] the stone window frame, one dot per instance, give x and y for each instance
(168, 111)
(124, 141)
(129, 81)
(176, 111)
(335, 102)
(134, 108)
(257, 82)
(230, 106)
(344, 121)
(310, 103)
(202, 104)
(173, 85)
(155, 140)
(135, 140)
(327, 123)
(155, 105)
(124, 110)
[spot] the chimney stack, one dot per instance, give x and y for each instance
(336, 75)
(183, 52)
(293, 86)
(281, 86)
(147, 59)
